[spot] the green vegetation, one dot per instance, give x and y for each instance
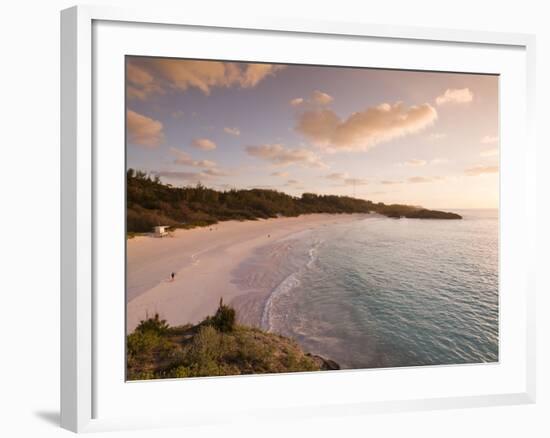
(151, 203)
(224, 320)
(215, 347)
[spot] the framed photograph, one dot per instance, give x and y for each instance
(266, 218)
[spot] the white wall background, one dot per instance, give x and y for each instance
(29, 216)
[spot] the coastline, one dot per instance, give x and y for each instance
(204, 260)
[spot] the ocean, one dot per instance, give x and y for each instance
(380, 292)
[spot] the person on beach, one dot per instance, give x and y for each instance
(172, 275)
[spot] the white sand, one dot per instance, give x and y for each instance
(203, 260)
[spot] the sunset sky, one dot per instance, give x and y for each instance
(418, 138)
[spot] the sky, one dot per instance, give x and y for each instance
(393, 136)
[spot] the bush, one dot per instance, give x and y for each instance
(141, 343)
(142, 375)
(215, 347)
(146, 345)
(179, 372)
(140, 349)
(224, 319)
(154, 325)
(205, 353)
(253, 356)
(206, 345)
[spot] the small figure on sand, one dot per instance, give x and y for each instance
(172, 276)
(269, 235)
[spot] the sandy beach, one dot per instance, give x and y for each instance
(204, 260)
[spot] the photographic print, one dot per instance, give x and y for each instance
(289, 218)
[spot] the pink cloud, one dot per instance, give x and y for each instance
(364, 129)
(454, 95)
(146, 76)
(203, 143)
(282, 156)
(481, 170)
(143, 130)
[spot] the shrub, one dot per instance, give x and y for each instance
(139, 343)
(142, 375)
(205, 346)
(179, 372)
(294, 362)
(253, 356)
(205, 352)
(154, 325)
(140, 349)
(224, 319)
(215, 347)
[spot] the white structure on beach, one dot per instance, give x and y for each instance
(160, 231)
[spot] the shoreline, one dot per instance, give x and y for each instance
(204, 260)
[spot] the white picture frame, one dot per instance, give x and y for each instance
(83, 179)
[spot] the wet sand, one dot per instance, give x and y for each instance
(205, 260)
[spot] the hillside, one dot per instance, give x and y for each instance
(150, 203)
(215, 347)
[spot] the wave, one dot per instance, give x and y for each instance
(287, 285)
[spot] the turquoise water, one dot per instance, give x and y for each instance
(381, 292)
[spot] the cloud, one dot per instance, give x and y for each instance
(280, 174)
(140, 84)
(192, 177)
(186, 177)
(297, 101)
(254, 73)
(316, 98)
(455, 95)
(356, 181)
(232, 131)
(282, 156)
(437, 136)
(481, 170)
(294, 184)
(346, 179)
(184, 159)
(206, 163)
(418, 179)
(157, 75)
(143, 130)
(489, 153)
(387, 182)
(418, 163)
(337, 176)
(203, 143)
(321, 98)
(424, 179)
(214, 171)
(415, 163)
(364, 129)
(488, 139)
